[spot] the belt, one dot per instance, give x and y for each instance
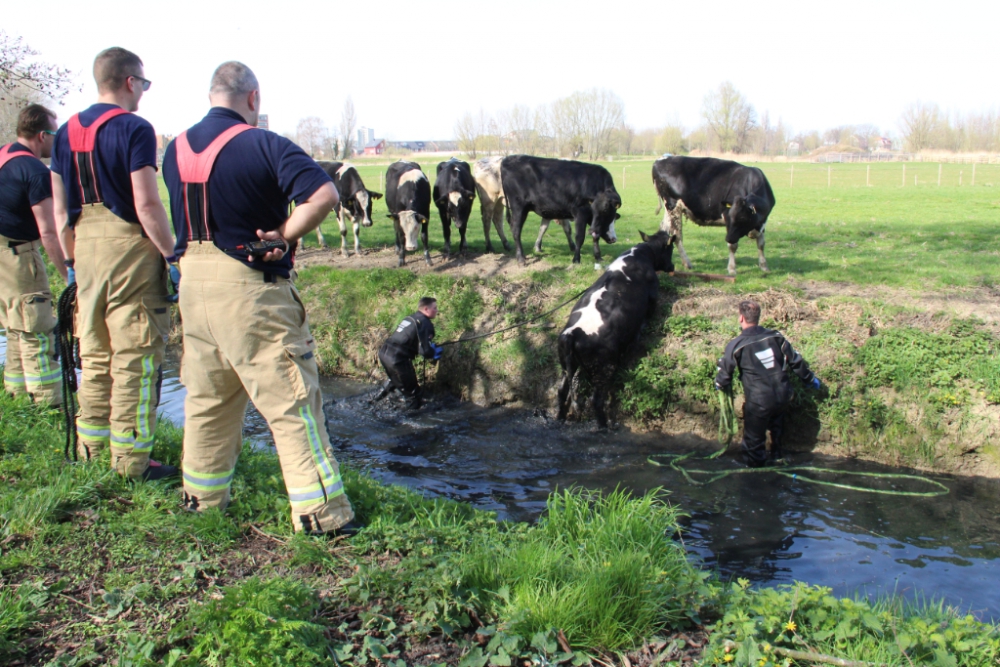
(14, 245)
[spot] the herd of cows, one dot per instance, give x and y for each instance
(606, 321)
(579, 195)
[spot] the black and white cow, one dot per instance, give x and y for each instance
(559, 190)
(454, 190)
(714, 193)
(605, 323)
(355, 199)
(489, 187)
(408, 198)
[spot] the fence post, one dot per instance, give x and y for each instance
(623, 178)
(939, 174)
(791, 181)
(868, 176)
(829, 169)
(380, 181)
(973, 173)
(904, 174)
(959, 176)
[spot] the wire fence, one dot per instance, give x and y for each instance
(907, 157)
(901, 175)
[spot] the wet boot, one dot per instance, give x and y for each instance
(386, 390)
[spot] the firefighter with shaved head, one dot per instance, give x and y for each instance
(246, 337)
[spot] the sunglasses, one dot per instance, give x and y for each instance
(146, 83)
(52, 132)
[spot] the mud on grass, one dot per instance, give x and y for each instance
(911, 377)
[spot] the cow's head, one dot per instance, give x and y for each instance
(362, 206)
(459, 203)
(662, 245)
(605, 208)
(747, 216)
(410, 221)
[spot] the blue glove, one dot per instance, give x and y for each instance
(70, 276)
(438, 351)
(175, 283)
(815, 384)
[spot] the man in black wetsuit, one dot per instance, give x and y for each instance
(413, 336)
(764, 358)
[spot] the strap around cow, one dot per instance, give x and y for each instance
(6, 155)
(194, 170)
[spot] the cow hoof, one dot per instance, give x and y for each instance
(506, 246)
(538, 249)
(489, 250)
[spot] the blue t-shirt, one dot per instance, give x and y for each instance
(254, 178)
(124, 144)
(24, 182)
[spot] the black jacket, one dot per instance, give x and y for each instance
(412, 337)
(764, 358)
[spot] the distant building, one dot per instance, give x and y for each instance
(364, 136)
(163, 140)
(374, 147)
(883, 144)
(262, 122)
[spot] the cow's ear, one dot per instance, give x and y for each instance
(643, 236)
(374, 195)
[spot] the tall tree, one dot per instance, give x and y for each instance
(21, 75)
(466, 136)
(730, 118)
(309, 135)
(920, 123)
(348, 121)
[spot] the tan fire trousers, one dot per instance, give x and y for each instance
(122, 322)
(247, 339)
(26, 314)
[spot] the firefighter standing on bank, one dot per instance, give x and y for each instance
(413, 336)
(245, 329)
(26, 224)
(764, 358)
(104, 189)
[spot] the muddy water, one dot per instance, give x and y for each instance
(762, 526)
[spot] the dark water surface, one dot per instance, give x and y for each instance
(762, 526)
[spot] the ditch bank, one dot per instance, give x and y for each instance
(911, 379)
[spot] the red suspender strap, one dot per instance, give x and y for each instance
(6, 156)
(194, 170)
(81, 142)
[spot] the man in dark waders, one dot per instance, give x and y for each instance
(764, 358)
(413, 336)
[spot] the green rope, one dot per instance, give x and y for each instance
(793, 472)
(728, 426)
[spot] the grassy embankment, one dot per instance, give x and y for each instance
(886, 289)
(95, 571)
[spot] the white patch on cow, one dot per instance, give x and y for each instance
(619, 264)
(362, 197)
(486, 171)
(590, 318)
(410, 223)
(344, 167)
(412, 176)
(455, 198)
(611, 232)
(766, 357)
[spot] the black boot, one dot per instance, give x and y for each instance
(386, 390)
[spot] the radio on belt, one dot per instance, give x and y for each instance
(261, 248)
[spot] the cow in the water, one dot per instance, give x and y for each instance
(355, 200)
(454, 190)
(714, 193)
(605, 323)
(408, 198)
(492, 204)
(560, 190)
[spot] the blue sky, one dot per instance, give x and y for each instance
(413, 68)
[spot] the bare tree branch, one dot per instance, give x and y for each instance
(21, 76)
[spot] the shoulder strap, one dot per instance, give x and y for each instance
(196, 167)
(82, 139)
(194, 170)
(6, 155)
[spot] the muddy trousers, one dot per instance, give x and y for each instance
(122, 319)
(27, 316)
(248, 339)
(757, 421)
(402, 377)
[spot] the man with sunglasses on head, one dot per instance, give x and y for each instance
(27, 224)
(116, 236)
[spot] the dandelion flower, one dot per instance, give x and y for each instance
(729, 657)
(790, 626)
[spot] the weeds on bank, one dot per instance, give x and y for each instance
(797, 623)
